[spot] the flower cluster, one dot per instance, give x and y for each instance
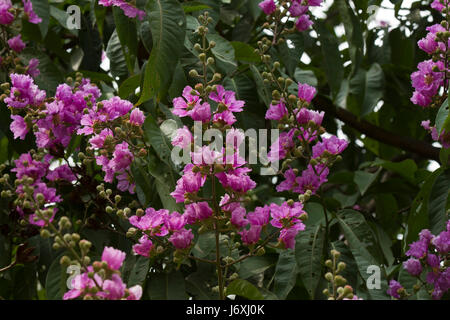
(35, 199)
(306, 130)
(443, 138)
(161, 225)
(428, 256)
(10, 60)
(430, 76)
(296, 8)
(114, 149)
(128, 9)
(102, 281)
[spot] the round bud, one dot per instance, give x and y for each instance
(45, 233)
(329, 276)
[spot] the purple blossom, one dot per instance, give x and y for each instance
(277, 112)
(128, 9)
(29, 12)
(306, 92)
(144, 247)
(183, 138)
(226, 100)
(6, 17)
(181, 239)
(18, 127)
(113, 257)
(332, 145)
(251, 235)
(413, 266)
(197, 211)
(137, 117)
(268, 6)
(24, 92)
(303, 23)
(16, 43)
(394, 288)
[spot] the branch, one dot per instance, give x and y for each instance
(421, 148)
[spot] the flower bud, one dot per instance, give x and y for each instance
(45, 233)
(329, 276)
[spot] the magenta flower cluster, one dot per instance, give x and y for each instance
(307, 132)
(297, 8)
(427, 256)
(103, 286)
(128, 9)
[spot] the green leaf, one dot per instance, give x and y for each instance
(364, 180)
(443, 118)
(418, 216)
(128, 87)
(245, 289)
(139, 272)
(361, 242)
(332, 57)
(254, 266)
(368, 87)
(42, 9)
(168, 28)
(115, 54)
(192, 6)
(438, 203)
(127, 33)
(308, 252)
(223, 52)
(167, 286)
(144, 185)
(285, 274)
(55, 283)
(244, 52)
(406, 168)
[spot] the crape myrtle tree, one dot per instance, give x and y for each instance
(127, 160)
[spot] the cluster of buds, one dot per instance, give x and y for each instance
(337, 288)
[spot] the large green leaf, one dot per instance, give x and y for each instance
(167, 286)
(368, 87)
(127, 33)
(55, 284)
(42, 9)
(116, 56)
(442, 121)
(245, 289)
(361, 242)
(139, 272)
(308, 252)
(285, 274)
(418, 216)
(168, 28)
(332, 57)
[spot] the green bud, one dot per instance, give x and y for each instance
(45, 233)
(329, 276)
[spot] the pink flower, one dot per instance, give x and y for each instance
(144, 247)
(237, 180)
(297, 9)
(122, 157)
(16, 43)
(32, 68)
(280, 148)
(268, 6)
(276, 112)
(437, 5)
(287, 236)
(259, 217)
(183, 138)
(197, 211)
(128, 9)
(227, 105)
(306, 92)
(303, 23)
(188, 104)
(29, 13)
(152, 221)
(252, 235)
(190, 182)
(181, 239)
(113, 257)
(135, 292)
(175, 221)
(304, 116)
(332, 145)
(24, 92)
(61, 173)
(238, 217)
(137, 117)
(113, 289)
(19, 127)
(6, 17)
